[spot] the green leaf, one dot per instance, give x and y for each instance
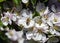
(53, 40)
(1, 24)
(36, 14)
(2, 0)
(17, 2)
(45, 1)
(3, 37)
(32, 41)
(58, 0)
(0, 7)
(57, 28)
(33, 2)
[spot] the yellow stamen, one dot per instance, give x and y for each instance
(27, 21)
(39, 22)
(7, 18)
(31, 28)
(57, 28)
(21, 26)
(40, 31)
(17, 14)
(55, 19)
(45, 16)
(11, 33)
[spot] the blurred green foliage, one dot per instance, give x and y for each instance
(17, 2)
(2, 0)
(33, 2)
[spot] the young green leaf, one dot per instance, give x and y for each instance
(17, 2)
(33, 2)
(53, 40)
(1, 24)
(36, 14)
(2, 0)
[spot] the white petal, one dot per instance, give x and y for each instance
(5, 23)
(57, 24)
(29, 35)
(30, 15)
(37, 25)
(14, 38)
(10, 22)
(53, 8)
(25, 1)
(22, 21)
(14, 18)
(44, 26)
(37, 37)
(57, 33)
(7, 13)
(19, 34)
(49, 23)
(7, 34)
(46, 11)
(44, 39)
(52, 31)
(1, 28)
(21, 40)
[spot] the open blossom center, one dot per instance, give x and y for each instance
(55, 19)
(28, 21)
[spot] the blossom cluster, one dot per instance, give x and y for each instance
(34, 28)
(37, 27)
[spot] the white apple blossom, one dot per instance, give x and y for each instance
(6, 20)
(11, 34)
(36, 36)
(12, 16)
(15, 35)
(54, 19)
(47, 19)
(54, 32)
(41, 25)
(26, 22)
